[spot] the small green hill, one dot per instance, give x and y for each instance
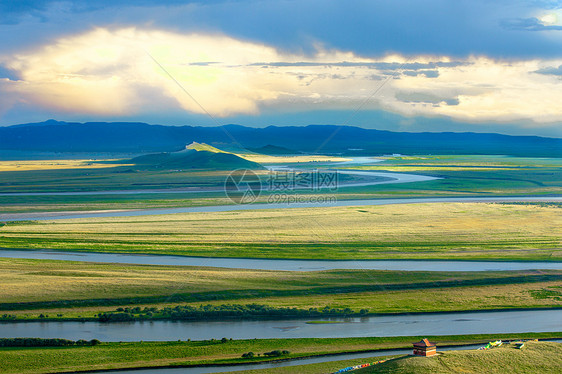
(195, 156)
(533, 358)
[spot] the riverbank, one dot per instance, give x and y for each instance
(277, 314)
(212, 352)
(64, 290)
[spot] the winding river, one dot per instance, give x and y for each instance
(228, 208)
(378, 178)
(387, 325)
(279, 265)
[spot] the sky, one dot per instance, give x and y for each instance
(432, 65)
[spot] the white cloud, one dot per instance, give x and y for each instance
(111, 72)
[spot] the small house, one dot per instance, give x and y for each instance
(425, 348)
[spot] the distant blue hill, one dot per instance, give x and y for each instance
(142, 138)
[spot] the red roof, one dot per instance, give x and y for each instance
(424, 343)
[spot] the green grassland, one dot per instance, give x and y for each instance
(489, 161)
(200, 166)
(462, 176)
(540, 357)
(64, 203)
(469, 175)
(70, 290)
(460, 231)
(535, 357)
(467, 231)
(185, 353)
(107, 178)
(472, 175)
(209, 185)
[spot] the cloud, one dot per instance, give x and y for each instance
(529, 24)
(110, 72)
(12, 12)
(368, 28)
(8, 74)
(425, 98)
(550, 71)
(127, 72)
(374, 65)
(427, 73)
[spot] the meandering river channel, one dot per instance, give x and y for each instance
(387, 325)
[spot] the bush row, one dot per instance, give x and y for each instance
(186, 312)
(38, 342)
(275, 353)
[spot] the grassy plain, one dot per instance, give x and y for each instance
(542, 357)
(311, 160)
(462, 176)
(471, 175)
(466, 231)
(414, 231)
(67, 290)
(535, 295)
(535, 357)
(10, 205)
(94, 175)
(102, 177)
(28, 165)
(153, 354)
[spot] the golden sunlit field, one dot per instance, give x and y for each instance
(267, 159)
(435, 230)
(53, 165)
(82, 290)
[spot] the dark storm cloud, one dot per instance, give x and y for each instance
(365, 27)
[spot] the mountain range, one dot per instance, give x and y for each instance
(56, 136)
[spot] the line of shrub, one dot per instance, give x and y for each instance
(205, 312)
(275, 353)
(39, 342)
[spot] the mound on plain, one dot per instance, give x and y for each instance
(195, 156)
(533, 358)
